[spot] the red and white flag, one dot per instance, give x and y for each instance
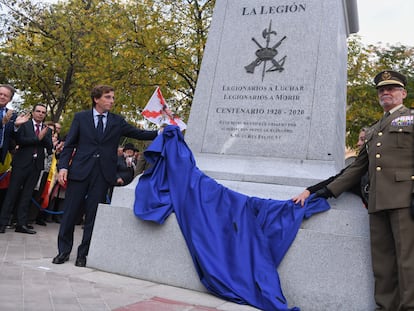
(157, 111)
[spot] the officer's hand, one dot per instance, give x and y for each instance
(300, 198)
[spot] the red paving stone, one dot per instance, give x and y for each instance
(161, 304)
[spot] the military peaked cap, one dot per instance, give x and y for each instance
(389, 77)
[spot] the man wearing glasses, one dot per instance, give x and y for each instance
(388, 155)
(33, 138)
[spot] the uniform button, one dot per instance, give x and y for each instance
(378, 156)
(379, 133)
(378, 168)
(399, 130)
(378, 144)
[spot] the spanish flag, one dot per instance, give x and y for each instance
(50, 182)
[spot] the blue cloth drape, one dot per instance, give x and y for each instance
(236, 241)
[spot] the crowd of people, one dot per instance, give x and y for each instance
(91, 162)
(30, 147)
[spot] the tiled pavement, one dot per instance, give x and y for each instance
(30, 282)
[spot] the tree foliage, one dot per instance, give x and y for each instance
(56, 53)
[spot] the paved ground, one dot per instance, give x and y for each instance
(30, 282)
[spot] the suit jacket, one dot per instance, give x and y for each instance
(83, 146)
(8, 136)
(29, 144)
(388, 154)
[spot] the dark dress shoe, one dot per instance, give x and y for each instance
(40, 222)
(60, 258)
(2, 229)
(24, 229)
(80, 262)
(30, 226)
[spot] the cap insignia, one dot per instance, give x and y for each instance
(386, 76)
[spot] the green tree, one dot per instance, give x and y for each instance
(56, 53)
(48, 49)
(165, 40)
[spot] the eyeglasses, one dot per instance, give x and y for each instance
(40, 111)
(389, 88)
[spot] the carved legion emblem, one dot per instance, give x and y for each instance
(266, 55)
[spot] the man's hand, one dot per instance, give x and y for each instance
(22, 118)
(59, 147)
(7, 116)
(63, 176)
(43, 132)
(162, 127)
(300, 198)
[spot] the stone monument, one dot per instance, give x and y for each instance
(270, 99)
(267, 120)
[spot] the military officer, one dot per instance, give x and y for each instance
(388, 155)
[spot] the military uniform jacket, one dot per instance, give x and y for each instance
(388, 155)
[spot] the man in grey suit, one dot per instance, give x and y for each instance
(88, 165)
(388, 155)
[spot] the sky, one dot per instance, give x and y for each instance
(386, 21)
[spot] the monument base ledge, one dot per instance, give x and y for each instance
(280, 171)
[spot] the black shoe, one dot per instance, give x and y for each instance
(24, 229)
(30, 226)
(60, 258)
(80, 262)
(2, 229)
(40, 222)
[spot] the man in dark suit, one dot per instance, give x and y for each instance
(32, 137)
(88, 165)
(7, 118)
(388, 155)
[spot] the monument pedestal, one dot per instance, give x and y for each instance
(328, 266)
